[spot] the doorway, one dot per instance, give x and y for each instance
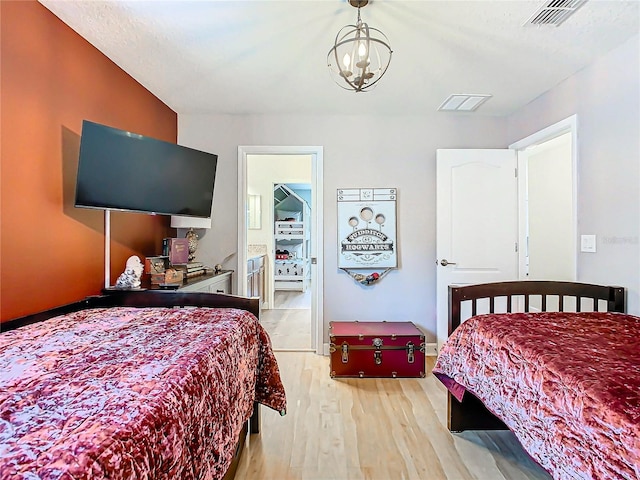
(291, 315)
(288, 322)
(547, 199)
(536, 199)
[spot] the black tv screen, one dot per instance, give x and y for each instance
(119, 170)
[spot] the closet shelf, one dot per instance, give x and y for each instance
(288, 241)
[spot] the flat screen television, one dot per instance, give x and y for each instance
(120, 170)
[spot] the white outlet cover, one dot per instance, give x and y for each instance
(588, 243)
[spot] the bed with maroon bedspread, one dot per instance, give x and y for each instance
(567, 385)
(160, 393)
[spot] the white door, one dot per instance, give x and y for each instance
(477, 221)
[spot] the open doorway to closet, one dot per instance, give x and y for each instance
(281, 232)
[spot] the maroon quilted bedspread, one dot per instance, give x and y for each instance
(129, 393)
(567, 384)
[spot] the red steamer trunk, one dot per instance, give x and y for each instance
(376, 349)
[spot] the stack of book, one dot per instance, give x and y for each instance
(177, 249)
(191, 269)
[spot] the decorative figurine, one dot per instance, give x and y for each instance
(372, 278)
(130, 278)
(367, 280)
(217, 269)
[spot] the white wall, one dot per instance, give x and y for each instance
(359, 151)
(605, 96)
(399, 151)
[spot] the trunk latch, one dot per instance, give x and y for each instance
(345, 353)
(410, 352)
(377, 354)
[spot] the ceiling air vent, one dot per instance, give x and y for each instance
(463, 102)
(554, 12)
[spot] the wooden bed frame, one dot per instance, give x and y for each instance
(159, 298)
(471, 414)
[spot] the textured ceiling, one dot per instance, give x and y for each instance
(269, 56)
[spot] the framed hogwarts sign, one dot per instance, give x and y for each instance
(367, 228)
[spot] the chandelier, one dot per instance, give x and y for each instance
(360, 55)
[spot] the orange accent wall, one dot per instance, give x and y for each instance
(52, 253)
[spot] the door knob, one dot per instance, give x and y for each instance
(444, 262)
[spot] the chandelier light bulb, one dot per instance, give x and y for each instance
(362, 50)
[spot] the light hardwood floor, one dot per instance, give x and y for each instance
(289, 323)
(378, 429)
(284, 299)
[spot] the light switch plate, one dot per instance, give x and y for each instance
(588, 243)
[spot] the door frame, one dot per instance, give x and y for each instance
(567, 125)
(317, 278)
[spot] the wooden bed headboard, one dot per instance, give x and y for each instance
(613, 296)
(144, 298)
